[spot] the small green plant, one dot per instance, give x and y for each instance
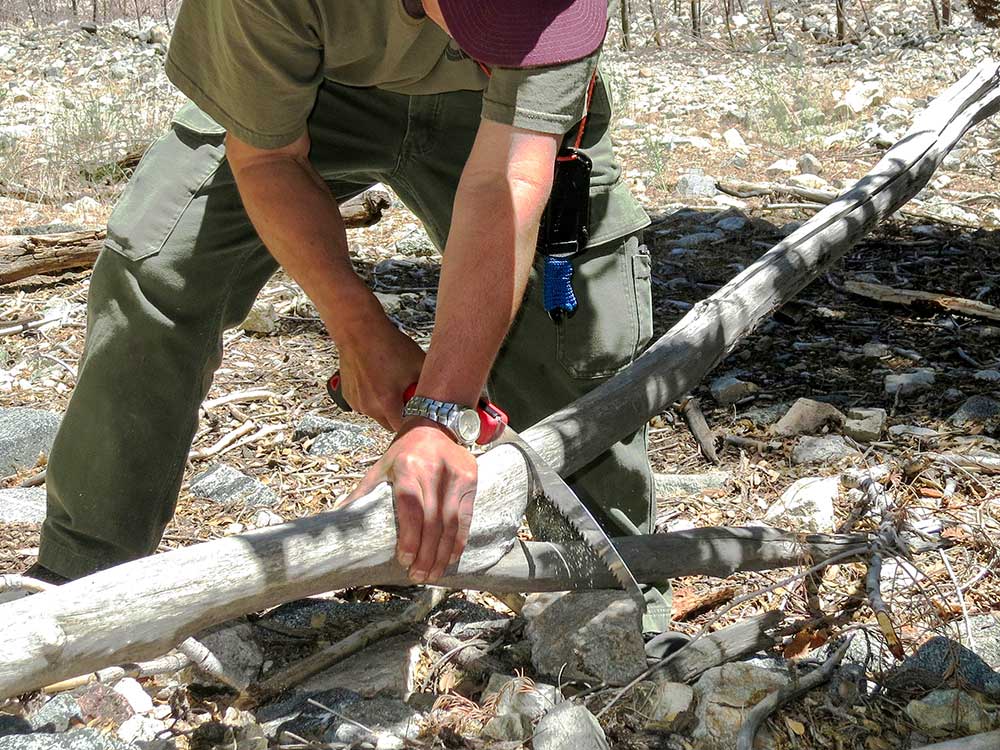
(787, 109)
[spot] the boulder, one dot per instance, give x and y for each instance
(807, 417)
(347, 437)
(695, 186)
(821, 450)
(943, 662)
(807, 505)
(24, 435)
(724, 695)
(980, 411)
(130, 689)
(569, 727)
(913, 431)
(907, 383)
(515, 697)
(781, 168)
(809, 164)
(234, 645)
(230, 488)
(262, 318)
(986, 638)
(729, 389)
(674, 485)
(949, 712)
(78, 739)
(732, 224)
(22, 505)
(386, 668)
(56, 714)
(669, 706)
(865, 425)
(354, 719)
(585, 635)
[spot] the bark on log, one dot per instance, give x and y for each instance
(22, 256)
(141, 609)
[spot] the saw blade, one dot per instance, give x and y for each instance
(562, 499)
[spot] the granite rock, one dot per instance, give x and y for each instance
(22, 505)
(24, 435)
(585, 635)
(230, 488)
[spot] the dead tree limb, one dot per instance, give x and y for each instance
(914, 298)
(143, 608)
(22, 256)
(759, 713)
(83, 626)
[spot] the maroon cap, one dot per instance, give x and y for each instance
(526, 33)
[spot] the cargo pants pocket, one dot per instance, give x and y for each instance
(173, 170)
(614, 320)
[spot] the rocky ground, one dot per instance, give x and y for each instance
(833, 384)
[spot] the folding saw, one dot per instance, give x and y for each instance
(547, 484)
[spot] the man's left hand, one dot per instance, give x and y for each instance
(434, 485)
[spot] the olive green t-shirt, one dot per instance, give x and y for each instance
(255, 66)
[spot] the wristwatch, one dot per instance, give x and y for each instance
(461, 421)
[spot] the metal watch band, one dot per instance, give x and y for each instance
(447, 414)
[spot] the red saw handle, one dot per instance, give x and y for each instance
(492, 419)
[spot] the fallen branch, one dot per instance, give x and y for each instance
(22, 256)
(324, 658)
(239, 397)
(985, 463)
(910, 297)
(698, 425)
(143, 608)
(215, 581)
(724, 645)
(168, 664)
(759, 713)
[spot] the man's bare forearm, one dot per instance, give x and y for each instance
(298, 220)
(488, 259)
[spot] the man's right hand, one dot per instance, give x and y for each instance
(377, 368)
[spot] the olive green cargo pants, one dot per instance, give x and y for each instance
(183, 263)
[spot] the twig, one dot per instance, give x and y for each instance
(327, 657)
(759, 713)
(239, 397)
(698, 425)
(846, 554)
(987, 464)
(11, 582)
(168, 664)
(224, 442)
(35, 480)
(961, 598)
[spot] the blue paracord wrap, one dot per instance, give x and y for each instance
(557, 287)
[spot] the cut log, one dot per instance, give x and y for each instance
(931, 300)
(22, 256)
(100, 620)
(140, 610)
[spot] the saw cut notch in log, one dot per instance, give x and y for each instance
(142, 609)
(22, 256)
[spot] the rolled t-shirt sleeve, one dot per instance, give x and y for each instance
(547, 100)
(254, 66)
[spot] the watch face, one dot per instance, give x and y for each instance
(468, 425)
